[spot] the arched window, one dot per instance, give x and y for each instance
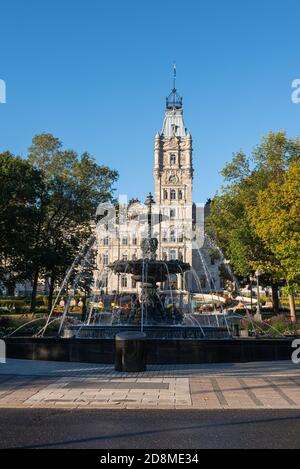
(165, 194)
(105, 259)
(173, 194)
(180, 194)
(172, 159)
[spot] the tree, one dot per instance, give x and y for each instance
(73, 187)
(231, 215)
(20, 187)
(276, 220)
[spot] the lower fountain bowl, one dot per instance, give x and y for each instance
(152, 332)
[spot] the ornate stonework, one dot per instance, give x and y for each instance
(174, 208)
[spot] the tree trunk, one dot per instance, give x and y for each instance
(11, 289)
(275, 298)
(50, 294)
(292, 307)
(34, 292)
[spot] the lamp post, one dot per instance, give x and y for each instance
(258, 313)
(118, 289)
(252, 280)
(149, 202)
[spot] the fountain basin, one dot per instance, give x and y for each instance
(162, 332)
(159, 351)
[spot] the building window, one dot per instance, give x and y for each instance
(124, 281)
(134, 241)
(165, 194)
(124, 241)
(172, 235)
(180, 194)
(165, 236)
(173, 194)
(180, 237)
(173, 254)
(106, 241)
(172, 213)
(105, 259)
(133, 283)
(172, 159)
(180, 255)
(164, 256)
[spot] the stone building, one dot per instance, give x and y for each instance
(178, 223)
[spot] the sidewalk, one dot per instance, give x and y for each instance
(36, 384)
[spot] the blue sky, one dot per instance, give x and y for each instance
(95, 74)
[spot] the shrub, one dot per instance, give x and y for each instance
(276, 326)
(10, 324)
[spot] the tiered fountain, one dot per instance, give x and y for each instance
(148, 311)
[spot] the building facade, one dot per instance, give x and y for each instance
(178, 223)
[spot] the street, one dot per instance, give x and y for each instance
(126, 429)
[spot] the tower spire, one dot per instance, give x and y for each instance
(174, 101)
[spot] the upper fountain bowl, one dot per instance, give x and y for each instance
(150, 271)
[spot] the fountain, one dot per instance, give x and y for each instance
(173, 334)
(148, 311)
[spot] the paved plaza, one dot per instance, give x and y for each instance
(40, 384)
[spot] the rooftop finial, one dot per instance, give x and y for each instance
(174, 76)
(174, 101)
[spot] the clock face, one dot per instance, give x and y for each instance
(173, 178)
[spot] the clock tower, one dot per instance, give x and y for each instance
(173, 181)
(173, 165)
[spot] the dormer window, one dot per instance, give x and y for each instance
(173, 160)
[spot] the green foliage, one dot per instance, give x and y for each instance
(10, 324)
(49, 200)
(276, 326)
(237, 219)
(276, 220)
(20, 189)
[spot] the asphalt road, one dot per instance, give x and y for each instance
(126, 429)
